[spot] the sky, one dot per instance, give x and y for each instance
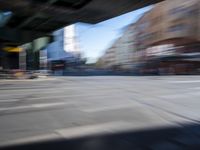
(94, 39)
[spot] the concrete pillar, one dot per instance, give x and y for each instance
(22, 60)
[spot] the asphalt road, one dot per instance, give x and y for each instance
(77, 107)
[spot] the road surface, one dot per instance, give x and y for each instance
(77, 107)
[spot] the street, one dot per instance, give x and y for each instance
(73, 107)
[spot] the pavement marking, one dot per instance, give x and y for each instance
(9, 100)
(38, 89)
(184, 94)
(51, 91)
(105, 108)
(32, 139)
(14, 108)
(107, 128)
(55, 96)
(29, 80)
(174, 95)
(88, 130)
(184, 81)
(42, 105)
(194, 88)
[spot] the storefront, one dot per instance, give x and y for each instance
(170, 60)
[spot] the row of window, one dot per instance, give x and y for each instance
(184, 11)
(175, 28)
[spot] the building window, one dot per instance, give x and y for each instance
(156, 20)
(143, 26)
(194, 12)
(178, 27)
(177, 10)
(153, 35)
(183, 11)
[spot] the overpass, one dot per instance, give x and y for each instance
(22, 21)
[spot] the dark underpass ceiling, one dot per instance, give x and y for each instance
(45, 16)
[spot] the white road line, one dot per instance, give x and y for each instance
(32, 139)
(75, 132)
(184, 94)
(42, 105)
(174, 95)
(105, 108)
(51, 91)
(9, 100)
(185, 81)
(14, 108)
(194, 88)
(48, 104)
(87, 130)
(56, 96)
(29, 80)
(107, 128)
(102, 128)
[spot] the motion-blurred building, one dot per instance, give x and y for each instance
(38, 53)
(31, 52)
(176, 22)
(120, 54)
(64, 51)
(168, 36)
(165, 39)
(9, 58)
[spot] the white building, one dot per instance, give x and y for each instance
(121, 53)
(70, 43)
(109, 57)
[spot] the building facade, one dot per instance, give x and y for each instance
(170, 22)
(64, 52)
(168, 36)
(164, 38)
(120, 54)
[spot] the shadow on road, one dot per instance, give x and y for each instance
(185, 137)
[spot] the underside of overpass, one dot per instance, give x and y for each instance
(25, 20)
